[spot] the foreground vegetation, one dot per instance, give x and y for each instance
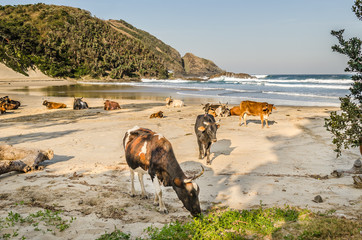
(219, 223)
(270, 223)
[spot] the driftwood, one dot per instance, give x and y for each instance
(357, 181)
(356, 169)
(21, 159)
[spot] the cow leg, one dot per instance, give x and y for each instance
(201, 149)
(262, 120)
(244, 117)
(208, 147)
(140, 178)
(133, 192)
(158, 195)
(266, 121)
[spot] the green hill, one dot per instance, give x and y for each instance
(69, 42)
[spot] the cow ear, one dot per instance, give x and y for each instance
(201, 129)
(217, 125)
(178, 182)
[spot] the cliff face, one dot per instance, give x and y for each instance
(196, 66)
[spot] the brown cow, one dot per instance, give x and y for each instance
(111, 105)
(53, 105)
(235, 111)
(262, 109)
(157, 115)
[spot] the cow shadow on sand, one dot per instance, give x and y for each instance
(270, 123)
(221, 147)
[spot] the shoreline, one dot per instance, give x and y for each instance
(88, 177)
(33, 87)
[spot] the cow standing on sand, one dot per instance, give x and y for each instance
(262, 109)
(205, 129)
(79, 104)
(149, 152)
(111, 105)
(217, 110)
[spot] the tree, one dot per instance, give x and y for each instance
(346, 125)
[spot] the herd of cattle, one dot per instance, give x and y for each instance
(150, 152)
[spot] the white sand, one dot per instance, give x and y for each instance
(89, 179)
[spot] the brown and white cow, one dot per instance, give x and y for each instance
(149, 152)
(111, 105)
(262, 109)
(53, 105)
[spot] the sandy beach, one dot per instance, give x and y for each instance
(288, 163)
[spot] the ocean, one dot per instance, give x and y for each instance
(287, 90)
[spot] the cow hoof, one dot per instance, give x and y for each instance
(144, 197)
(133, 195)
(208, 163)
(164, 211)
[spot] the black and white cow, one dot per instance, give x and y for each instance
(79, 104)
(205, 129)
(149, 152)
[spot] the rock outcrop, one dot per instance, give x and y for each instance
(230, 74)
(199, 67)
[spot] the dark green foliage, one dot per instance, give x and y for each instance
(346, 126)
(171, 57)
(269, 223)
(115, 235)
(228, 224)
(69, 42)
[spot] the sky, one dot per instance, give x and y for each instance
(241, 36)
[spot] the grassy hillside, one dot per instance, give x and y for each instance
(171, 57)
(69, 42)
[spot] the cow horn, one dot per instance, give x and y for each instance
(199, 175)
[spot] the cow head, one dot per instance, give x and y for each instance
(225, 111)
(45, 102)
(210, 129)
(169, 100)
(188, 192)
(79, 104)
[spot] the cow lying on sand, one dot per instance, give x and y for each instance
(174, 102)
(262, 109)
(235, 111)
(205, 129)
(9, 104)
(149, 152)
(111, 105)
(79, 104)
(157, 115)
(53, 105)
